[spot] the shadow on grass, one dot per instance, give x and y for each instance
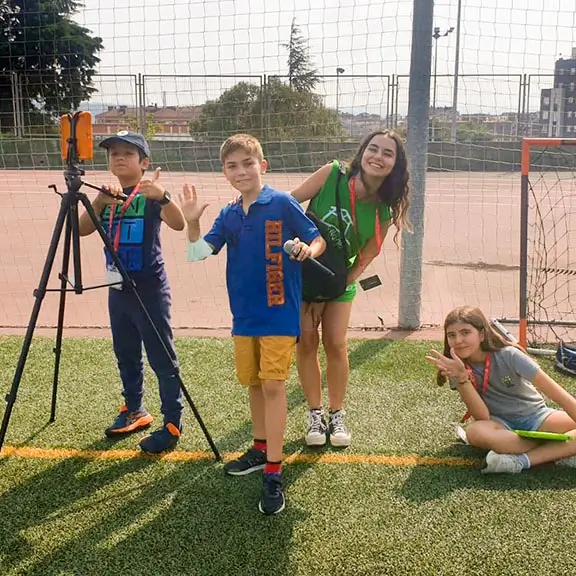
(163, 517)
(427, 483)
(365, 350)
(144, 516)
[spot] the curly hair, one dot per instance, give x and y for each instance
(394, 190)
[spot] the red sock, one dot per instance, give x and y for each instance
(260, 445)
(273, 468)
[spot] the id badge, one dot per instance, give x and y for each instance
(114, 278)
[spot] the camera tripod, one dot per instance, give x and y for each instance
(67, 220)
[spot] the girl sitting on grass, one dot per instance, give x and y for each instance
(503, 388)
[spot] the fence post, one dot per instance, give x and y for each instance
(417, 149)
(17, 104)
(142, 104)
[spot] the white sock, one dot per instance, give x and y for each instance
(524, 460)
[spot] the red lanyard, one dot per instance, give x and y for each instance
(377, 230)
(125, 207)
(487, 368)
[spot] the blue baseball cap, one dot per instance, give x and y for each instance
(129, 138)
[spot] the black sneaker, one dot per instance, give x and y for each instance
(161, 440)
(249, 462)
(272, 500)
(317, 428)
(339, 434)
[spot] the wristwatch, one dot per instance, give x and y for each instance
(165, 199)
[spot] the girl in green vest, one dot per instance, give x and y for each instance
(373, 194)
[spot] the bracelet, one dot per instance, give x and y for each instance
(462, 382)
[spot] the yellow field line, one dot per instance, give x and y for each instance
(182, 456)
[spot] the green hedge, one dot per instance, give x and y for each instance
(44, 153)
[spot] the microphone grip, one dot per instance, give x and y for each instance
(289, 247)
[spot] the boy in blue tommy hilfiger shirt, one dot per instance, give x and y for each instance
(134, 229)
(265, 293)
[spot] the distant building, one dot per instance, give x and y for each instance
(358, 125)
(172, 121)
(558, 104)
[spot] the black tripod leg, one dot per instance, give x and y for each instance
(130, 285)
(197, 416)
(39, 294)
(61, 308)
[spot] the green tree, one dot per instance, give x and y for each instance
(293, 114)
(53, 58)
(472, 133)
(237, 110)
(302, 75)
(438, 131)
(467, 132)
(152, 127)
(277, 112)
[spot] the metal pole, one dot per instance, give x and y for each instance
(337, 94)
(453, 131)
(435, 72)
(338, 72)
(13, 80)
(434, 96)
(524, 197)
(417, 149)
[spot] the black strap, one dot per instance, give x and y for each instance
(339, 215)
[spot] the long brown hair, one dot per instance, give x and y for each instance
(492, 341)
(394, 190)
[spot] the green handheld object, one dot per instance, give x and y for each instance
(536, 435)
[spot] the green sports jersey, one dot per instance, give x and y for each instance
(323, 206)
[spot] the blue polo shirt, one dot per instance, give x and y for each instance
(264, 284)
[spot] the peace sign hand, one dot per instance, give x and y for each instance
(151, 188)
(189, 203)
(451, 367)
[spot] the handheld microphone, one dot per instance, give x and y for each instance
(289, 246)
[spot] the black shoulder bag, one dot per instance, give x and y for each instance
(317, 286)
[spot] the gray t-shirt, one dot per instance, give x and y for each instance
(510, 394)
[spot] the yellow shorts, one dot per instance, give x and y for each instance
(263, 358)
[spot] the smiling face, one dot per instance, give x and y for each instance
(379, 157)
(466, 340)
(244, 171)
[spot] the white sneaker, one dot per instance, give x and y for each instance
(340, 436)
(569, 462)
(317, 429)
(502, 464)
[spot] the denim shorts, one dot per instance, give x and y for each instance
(530, 422)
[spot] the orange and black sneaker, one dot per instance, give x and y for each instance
(161, 440)
(128, 422)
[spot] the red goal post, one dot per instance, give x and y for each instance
(529, 145)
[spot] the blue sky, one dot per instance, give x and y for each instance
(193, 37)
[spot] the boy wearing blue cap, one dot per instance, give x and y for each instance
(133, 227)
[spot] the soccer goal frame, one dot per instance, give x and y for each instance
(528, 146)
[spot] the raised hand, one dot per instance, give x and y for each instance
(191, 209)
(451, 367)
(151, 187)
